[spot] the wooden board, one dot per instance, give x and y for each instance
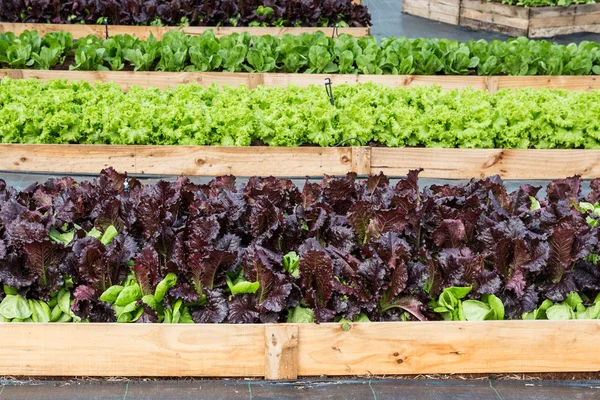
(447, 11)
(164, 80)
(143, 32)
(454, 347)
(177, 160)
(479, 163)
(553, 21)
(171, 79)
(496, 17)
(300, 161)
(219, 350)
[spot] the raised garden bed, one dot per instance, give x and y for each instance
(62, 112)
(286, 351)
(534, 22)
(143, 32)
(308, 54)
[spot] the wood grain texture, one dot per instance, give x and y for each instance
(449, 347)
(479, 163)
(143, 32)
(132, 350)
(164, 80)
(220, 350)
(66, 158)
(281, 351)
(301, 161)
(243, 161)
(446, 11)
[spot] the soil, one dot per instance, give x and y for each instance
(563, 376)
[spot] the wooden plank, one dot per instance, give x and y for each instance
(281, 351)
(496, 9)
(177, 160)
(494, 19)
(301, 161)
(566, 30)
(449, 347)
(143, 32)
(479, 163)
(378, 348)
(446, 11)
(491, 27)
(132, 350)
(243, 161)
(66, 158)
(171, 79)
(579, 83)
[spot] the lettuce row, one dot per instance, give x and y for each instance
(58, 112)
(306, 53)
(188, 12)
(343, 250)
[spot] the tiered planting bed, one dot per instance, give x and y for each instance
(191, 16)
(143, 32)
(364, 249)
(534, 22)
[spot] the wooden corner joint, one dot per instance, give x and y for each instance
(281, 352)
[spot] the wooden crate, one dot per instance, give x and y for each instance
(143, 32)
(496, 17)
(300, 161)
(552, 21)
(447, 11)
(286, 351)
(535, 22)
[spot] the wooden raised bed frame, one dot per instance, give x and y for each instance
(286, 351)
(300, 161)
(534, 22)
(164, 80)
(143, 32)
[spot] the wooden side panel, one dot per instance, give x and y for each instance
(66, 158)
(220, 350)
(132, 350)
(498, 9)
(301, 161)
(483, 15)
(143, 32)
(171, 79)
(177, 160)
(552, 21)
(243, 161)
(580, 83)
(449, 347)
(479, 163)
(439, 10)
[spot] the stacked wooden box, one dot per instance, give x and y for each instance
(536, 22)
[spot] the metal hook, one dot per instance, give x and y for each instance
(329, 90)
(335, 32)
